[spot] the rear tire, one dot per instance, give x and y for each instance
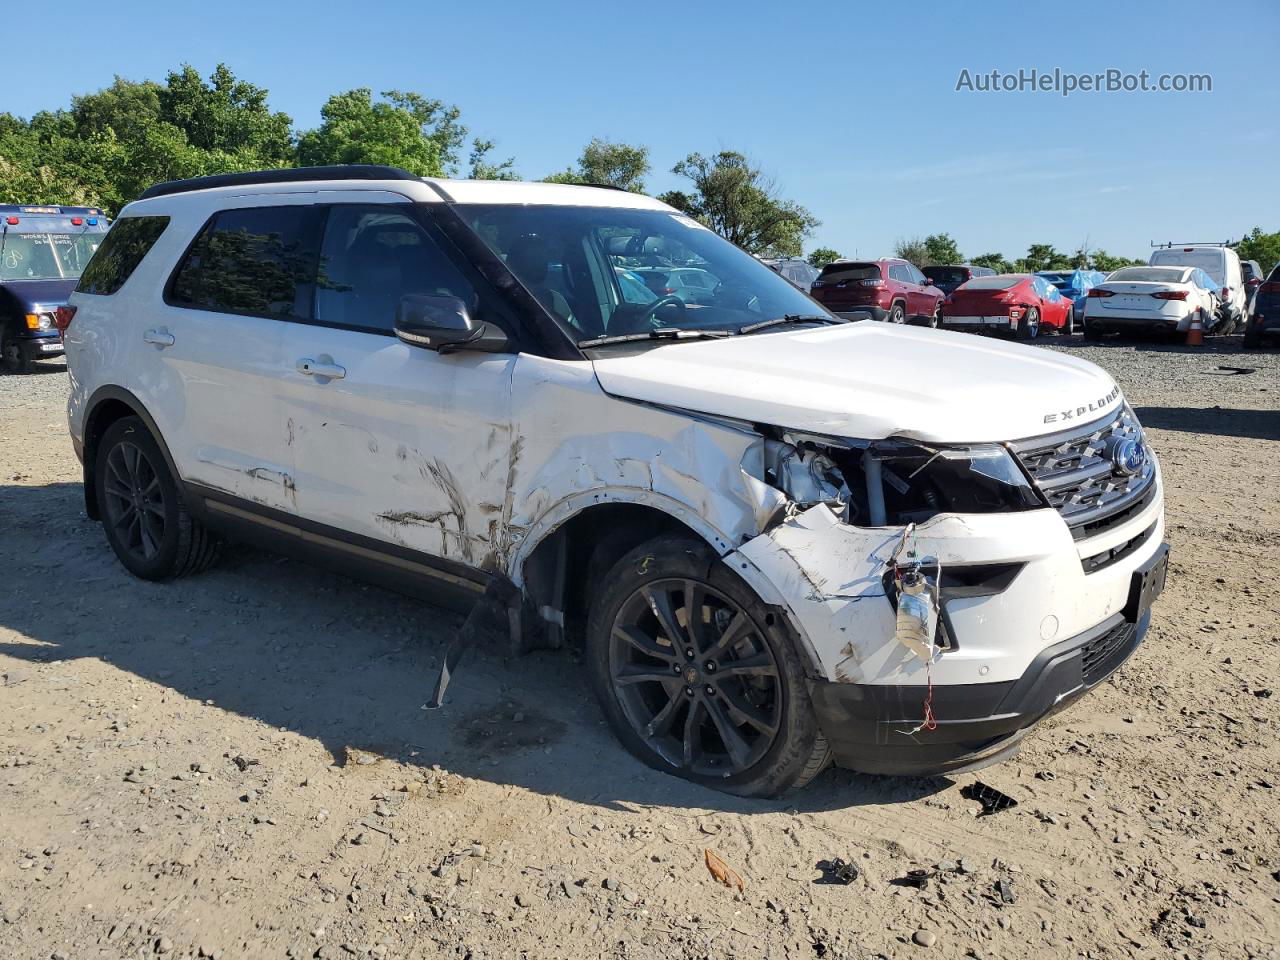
(143, 514)
(897, 314)
(736, 715)
(1029, 325)
(1091, 332)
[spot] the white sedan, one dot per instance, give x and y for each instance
(1150, 300)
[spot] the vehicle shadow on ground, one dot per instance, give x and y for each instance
(1216, 421)
(1214, 346)
(43, 366)
(341, 662)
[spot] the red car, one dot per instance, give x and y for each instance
(892, 290)
(1018, 303)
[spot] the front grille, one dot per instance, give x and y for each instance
(1103, 655)
(1077, 474)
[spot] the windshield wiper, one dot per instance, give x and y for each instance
(662, 333)
(789, 318)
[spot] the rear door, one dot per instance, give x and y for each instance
(394, 443)
(247, 271)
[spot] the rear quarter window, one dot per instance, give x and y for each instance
(126, 243)
(258, 261)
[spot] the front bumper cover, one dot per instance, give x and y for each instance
(869, 726)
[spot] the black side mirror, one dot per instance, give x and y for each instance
(444, 324)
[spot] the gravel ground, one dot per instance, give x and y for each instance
(238, 765)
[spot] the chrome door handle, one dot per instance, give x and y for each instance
(161, 337)
(322, 367)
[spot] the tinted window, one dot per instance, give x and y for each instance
(258, 261)
(567, 259)
(898, 272)
(1151, 274)
(127, 242)
(1002, 282)
(948, 275)
(371, 257)
(837, 272)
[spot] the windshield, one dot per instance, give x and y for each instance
(49, 248)
(1211, 260)
(608, 271)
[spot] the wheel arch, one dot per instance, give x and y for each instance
(107, 405)
(577, 541)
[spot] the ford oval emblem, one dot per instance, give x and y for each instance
(1128, 456)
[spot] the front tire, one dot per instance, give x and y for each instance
(935, 321)
(697, 676)
(12, 359)
(143, 514)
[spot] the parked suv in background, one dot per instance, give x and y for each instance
(799, 271)
(43, 249)
(780, 537)
(890, 289)
(947, 277)
(1264, 318)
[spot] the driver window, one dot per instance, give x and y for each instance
(370, 258)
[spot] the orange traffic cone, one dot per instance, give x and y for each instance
(1195, 332)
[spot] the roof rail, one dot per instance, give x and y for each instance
(352, 171)
(1191, 243)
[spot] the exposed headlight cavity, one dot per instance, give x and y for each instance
(894, 482)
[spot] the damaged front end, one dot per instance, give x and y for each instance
(942, 599)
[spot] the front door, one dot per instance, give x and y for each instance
(393, 442)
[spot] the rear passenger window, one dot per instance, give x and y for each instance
(126, 243)
(258, 261)
(370, 258)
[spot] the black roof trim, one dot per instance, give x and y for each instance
(352, 171)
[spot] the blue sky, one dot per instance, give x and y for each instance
(852, 108)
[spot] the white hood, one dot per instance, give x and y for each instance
(871, 380)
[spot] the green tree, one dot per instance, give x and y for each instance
(940, 248)
(993, 261)
(1263, 247)
(821, 256)
(1043, 256)
(482, 168)
(621, 165)
(226, 115)
(912, 250)
(402, 130)
(1101, 260)
(737, 201)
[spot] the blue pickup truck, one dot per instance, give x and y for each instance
(43, 251)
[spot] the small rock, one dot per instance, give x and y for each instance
(925, 938)
(359, 839)
(164, 945)
(522, 900)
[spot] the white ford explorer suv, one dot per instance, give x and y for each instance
(782, 538)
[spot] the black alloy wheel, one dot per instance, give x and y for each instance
(694, 678)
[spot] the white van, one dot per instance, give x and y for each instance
(1221, 263)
